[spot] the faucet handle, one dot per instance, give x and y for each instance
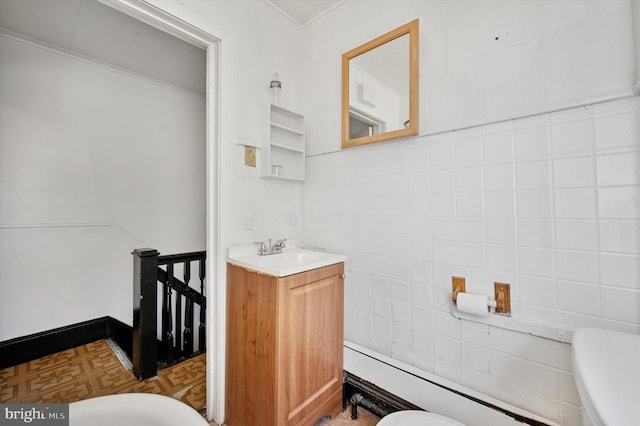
(263, 247)
(280, 244)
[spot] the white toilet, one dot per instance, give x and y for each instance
(607, 375)
(417, 418)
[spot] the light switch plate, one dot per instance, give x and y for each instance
(249, 156)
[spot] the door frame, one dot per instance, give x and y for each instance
(144, 11)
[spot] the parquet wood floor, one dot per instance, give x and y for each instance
(93, 370)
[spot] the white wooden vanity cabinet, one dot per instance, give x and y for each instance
(284, 346)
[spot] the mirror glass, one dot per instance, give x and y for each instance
(380, 88)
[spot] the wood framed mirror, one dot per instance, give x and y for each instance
(380, 88)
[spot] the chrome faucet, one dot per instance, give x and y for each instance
(266, 248)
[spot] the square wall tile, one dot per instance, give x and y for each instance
(468, 179)
(620, 236)
(619, 169)
(381, 307)
(577, 234)
(536, 262)
(470, 229)
(506, 367)
(620, 304)
(548, 352)
(443, 228)
(471, 255)
(499, 204)
(420, 249)
(475, 333)
(468, 152)
(533, 175)
(497, 148)
(441, 155)
(620, 270)
(535, 233)
(420, 275)
(575, 203)
(443, 205)
(500, 231)
(532, 144)
(474, 380)
(419, 182)
(447, 349)
(444, 252)
(442, 181)
(579, 298)
(573, 172)
(502, 258)
(400, 312)
(619, 202)
(400, 291)
(573, 137)
(535, 203)
(577, 266)
(618, 130)
(498, 177)
(475, 357)
(542, 379)
(469, 204)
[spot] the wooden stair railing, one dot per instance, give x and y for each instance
(177, 340)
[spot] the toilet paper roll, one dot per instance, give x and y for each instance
(473, 304)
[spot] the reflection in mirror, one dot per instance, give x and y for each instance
(380, 88)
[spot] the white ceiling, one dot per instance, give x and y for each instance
(97, 31)
(94, 30)
(303, 11)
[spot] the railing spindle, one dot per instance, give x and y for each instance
(167, 320)
(177, 341)
(188, 314)
(188, 327)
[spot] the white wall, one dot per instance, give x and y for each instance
(538, 62)
(94, 163)
(521, 175)
(256, 42)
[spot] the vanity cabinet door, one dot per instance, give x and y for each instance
(284, 346)
(310, 332)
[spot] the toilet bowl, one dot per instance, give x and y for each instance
(417, 418)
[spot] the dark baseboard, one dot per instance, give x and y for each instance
(27, 348)
(360, 393)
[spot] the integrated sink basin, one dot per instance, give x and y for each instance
(606, 368)
(292, 260)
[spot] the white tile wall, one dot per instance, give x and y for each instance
(549, 203)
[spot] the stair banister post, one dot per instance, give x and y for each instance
(145, 292)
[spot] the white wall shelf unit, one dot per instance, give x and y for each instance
(285, 145)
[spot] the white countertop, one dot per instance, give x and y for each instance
(292, 260)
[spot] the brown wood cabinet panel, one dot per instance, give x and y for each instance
(284, 346)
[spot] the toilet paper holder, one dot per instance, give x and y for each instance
(501, 303)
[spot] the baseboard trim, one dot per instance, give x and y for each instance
(359, 392)
(437, 396)
(34, 346)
